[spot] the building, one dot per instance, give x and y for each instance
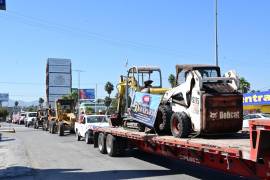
(58, 79)
(256, 102)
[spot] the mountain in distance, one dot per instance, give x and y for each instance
(11, 103)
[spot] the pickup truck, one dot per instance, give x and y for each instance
(85, 125)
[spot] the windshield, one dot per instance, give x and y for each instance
(32, 114)
(208, 72)
(96, 119)
(266, 115)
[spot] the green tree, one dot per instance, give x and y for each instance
(107, 102)
(40, 101)
(109, 88)
(16, 103)
(89, 110)
(244, 85)
(3, 112)
(172, 80)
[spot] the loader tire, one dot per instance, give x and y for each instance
(102, 143)
(180, 125)
(162, 123)
(61, 129)
(141, 127)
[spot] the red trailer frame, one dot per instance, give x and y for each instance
(251, 160)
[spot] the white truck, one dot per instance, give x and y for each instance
(86, 123)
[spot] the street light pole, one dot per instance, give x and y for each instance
(216, 31)
(79, 83)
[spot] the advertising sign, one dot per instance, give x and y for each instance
(2, 4)
(258, 98)
(59, 79)
(144, 108)
(58, 62)
(59, 90)
(87, 94)
(4, 97)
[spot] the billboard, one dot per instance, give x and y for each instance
(59, 90)
(59, 69)
(4, 97)
(258, 98)
(59, 62)
(87, 94)
(144, 108)
(2, 4)
(59, 79)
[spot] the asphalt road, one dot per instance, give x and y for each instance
(35, 154)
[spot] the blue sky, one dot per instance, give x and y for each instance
(99, 35)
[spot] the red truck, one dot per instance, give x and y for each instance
(242, 154)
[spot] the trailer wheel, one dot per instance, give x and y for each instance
(180, 125)
(111, 145)
(95, 140)
(102, 143)
(78, 137)
(61, 129)
(53, 130)
(162, 123)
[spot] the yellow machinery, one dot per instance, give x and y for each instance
(147, 79)
(64, 117)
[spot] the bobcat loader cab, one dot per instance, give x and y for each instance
(204, 102)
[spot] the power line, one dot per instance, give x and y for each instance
(40, 23)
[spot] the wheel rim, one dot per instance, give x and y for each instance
(109, 144)
(176, 126)
(100, 146)
(86, 137)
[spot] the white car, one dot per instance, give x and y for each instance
(83, 128)
(30, 118)
(249, 117)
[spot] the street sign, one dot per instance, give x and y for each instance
(2, 4)
(4, 97)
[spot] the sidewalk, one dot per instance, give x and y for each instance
(14, 161)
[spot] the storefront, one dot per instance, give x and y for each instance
(256, 102)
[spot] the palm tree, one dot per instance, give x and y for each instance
(172, 80)
(40, 101)
(109, 88)
(16, 103)
(244, 85)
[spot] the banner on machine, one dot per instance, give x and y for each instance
(144, 108)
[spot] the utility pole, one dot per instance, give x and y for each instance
(79, 83)
(216, 31)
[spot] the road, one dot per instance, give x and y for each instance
(35, 154)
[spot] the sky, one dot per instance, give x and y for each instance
(99, 36)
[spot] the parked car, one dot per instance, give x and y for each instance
(249, 117)
(22, 117)
(87, 123)
(30, 118)
(15, 118)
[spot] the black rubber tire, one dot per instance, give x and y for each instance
(162, 123)
(53, 130)
(95, 140)
(102, 143)
(141, 127)
(61, 129)
(78, 137)
(87, 138)
(180, 125)
(111, 145)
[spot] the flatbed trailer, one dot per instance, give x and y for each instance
(242, 154)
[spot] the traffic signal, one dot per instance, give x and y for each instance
(2, 4)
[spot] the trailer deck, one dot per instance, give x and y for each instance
(241, 154)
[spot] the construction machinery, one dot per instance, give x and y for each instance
(203, 102)
(147, 79)
(64, 117)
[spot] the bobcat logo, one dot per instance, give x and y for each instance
(213, 115)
